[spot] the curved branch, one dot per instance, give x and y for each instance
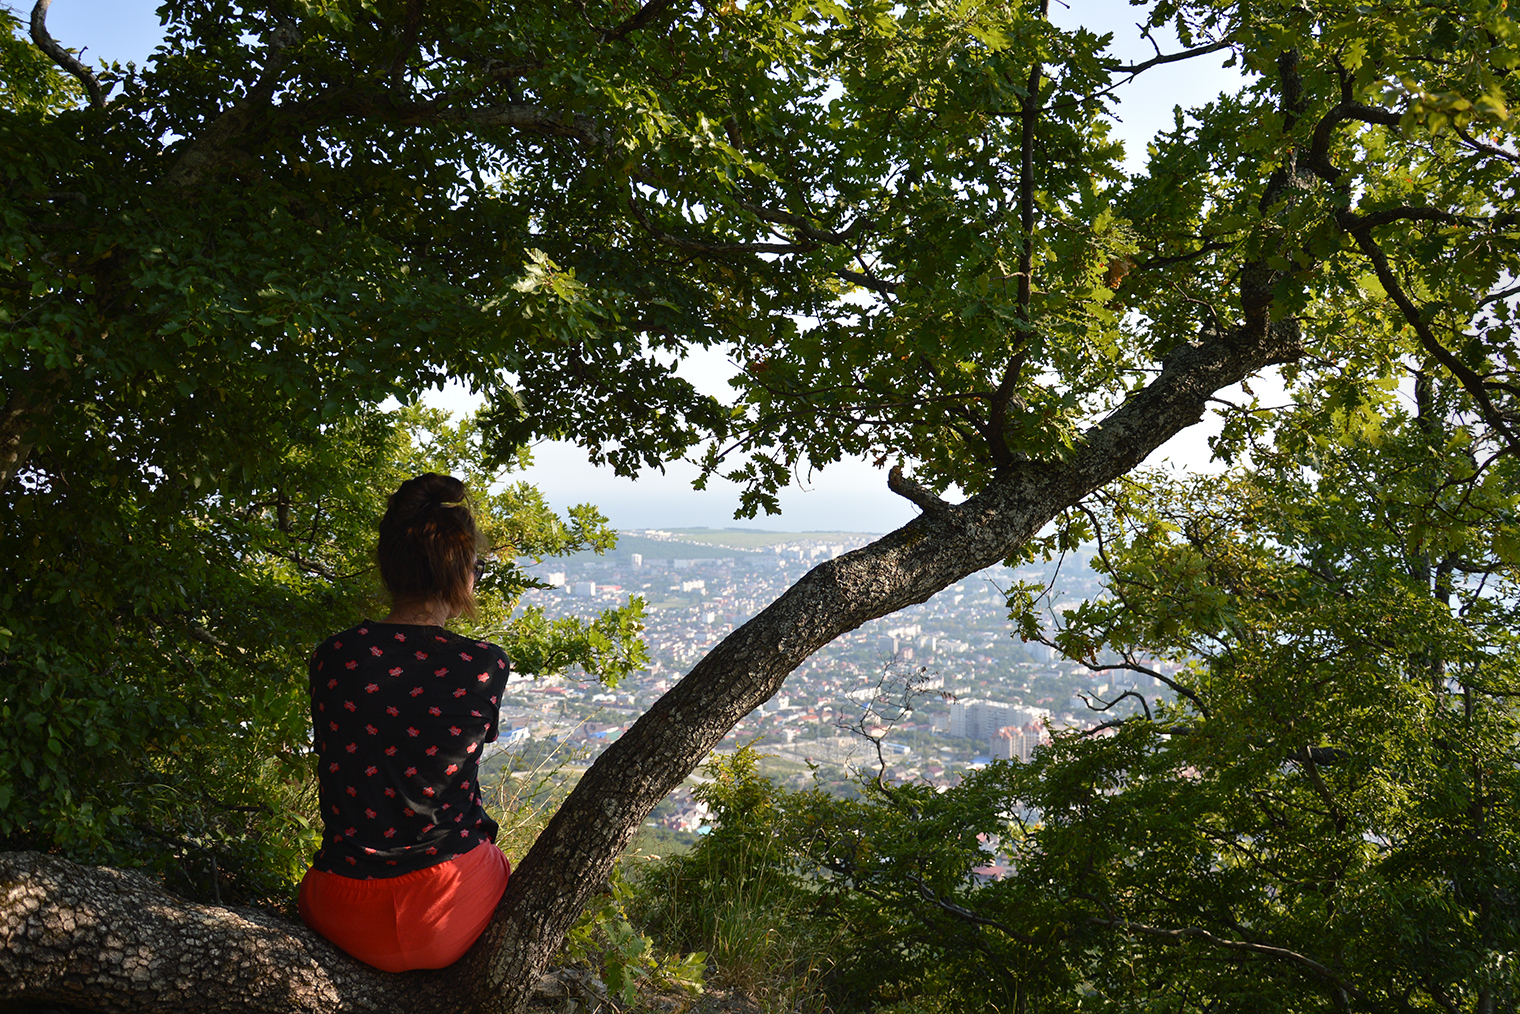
(62, 57)
(1471, 382)
(1185, 933)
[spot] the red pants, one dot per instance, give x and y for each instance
(426, 919)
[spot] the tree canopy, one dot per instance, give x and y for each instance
(908, 222)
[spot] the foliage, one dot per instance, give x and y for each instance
(626, 958)
(738, 894)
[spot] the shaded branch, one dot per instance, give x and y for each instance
(964, 914)
(1183, 934)
(1471, 382)
(640, 19)
(878, 285)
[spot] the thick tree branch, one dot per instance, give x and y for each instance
(62, 57)
(114, 940)
(216, 146)
(576, 851)
(641, 18)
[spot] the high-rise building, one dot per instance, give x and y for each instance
(976, 719)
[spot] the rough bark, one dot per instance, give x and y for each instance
(113, 941)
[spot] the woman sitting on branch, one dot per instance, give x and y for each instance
(408, 874)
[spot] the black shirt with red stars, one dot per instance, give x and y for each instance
(399, 715)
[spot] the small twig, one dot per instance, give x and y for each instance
(1158, 59)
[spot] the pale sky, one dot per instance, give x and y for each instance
(850, 496)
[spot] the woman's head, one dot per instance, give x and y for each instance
(428, 544)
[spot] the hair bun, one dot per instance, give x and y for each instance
(429, 543)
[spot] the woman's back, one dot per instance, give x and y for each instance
(400, 714)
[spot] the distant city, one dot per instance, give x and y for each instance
(924, 694)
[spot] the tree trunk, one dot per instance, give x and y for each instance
(111, 940)
(23, 413)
